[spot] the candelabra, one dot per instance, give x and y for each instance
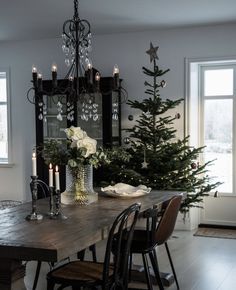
(58, 211)
(54, 213)
(51, 201)
(34, 216)
(81, 82)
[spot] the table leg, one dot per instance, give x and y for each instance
(10, 271)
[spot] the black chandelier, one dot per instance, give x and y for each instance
(82, 81)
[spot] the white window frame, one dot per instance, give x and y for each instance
(8, 162)
(194, 124)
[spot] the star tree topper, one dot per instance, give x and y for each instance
(152, 52)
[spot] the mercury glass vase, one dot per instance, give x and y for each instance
(79, 186)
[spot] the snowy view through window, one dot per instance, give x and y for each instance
(3, 118)
(218, 125)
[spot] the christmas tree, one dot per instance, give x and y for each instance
(154, 157)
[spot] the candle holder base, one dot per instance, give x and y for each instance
(58, 216)
(50, 214)
(34, 217)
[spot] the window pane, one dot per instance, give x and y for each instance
(3, 134)
(3, 87)
(218, 82)
(218, 139)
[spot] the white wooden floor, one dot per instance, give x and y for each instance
(201, 263)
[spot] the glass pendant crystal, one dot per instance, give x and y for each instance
(67, 62)
(59, 117)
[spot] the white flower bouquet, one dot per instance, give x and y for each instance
(79, 150)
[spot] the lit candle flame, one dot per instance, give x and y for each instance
(97, 76)
(34, 69)
(116, 69)
(54, 67)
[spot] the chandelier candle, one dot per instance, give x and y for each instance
(97, 81)
(90, 73)
(35, 76)
(116, 72)
(54, 75)
(40, 83)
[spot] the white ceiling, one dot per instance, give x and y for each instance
(37, 19)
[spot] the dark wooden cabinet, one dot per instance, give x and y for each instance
(104, 126)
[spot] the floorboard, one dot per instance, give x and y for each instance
(201, 263)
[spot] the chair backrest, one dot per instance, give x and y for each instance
(167, 223)
(123, 225)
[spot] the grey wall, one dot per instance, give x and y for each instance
(128, 51)
(19, 57)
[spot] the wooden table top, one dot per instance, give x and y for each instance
(54, 240)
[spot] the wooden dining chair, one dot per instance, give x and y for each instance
(145, 241)
(112, 274)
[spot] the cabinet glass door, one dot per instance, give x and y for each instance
(55, 121)
(90, 117)
(115, 119)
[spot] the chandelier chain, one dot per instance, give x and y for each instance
(76, 15)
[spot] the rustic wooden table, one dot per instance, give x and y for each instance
(54, 240)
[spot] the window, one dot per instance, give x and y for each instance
(212, 104)
(217, 87)
(4, 117)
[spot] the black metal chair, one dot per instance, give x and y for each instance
(109, 275)
(145, 241)
(80, 256)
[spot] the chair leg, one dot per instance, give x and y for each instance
(50, 284)
(93, 250)
(37, 275)
(153, 258)
(172, 265)
(80, 255)
(147, 273)
(130, 265)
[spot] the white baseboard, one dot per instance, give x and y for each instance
(190, 222)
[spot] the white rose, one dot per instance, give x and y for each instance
(75, 133)
(69, 132)
(73, 144)
(89, 144)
